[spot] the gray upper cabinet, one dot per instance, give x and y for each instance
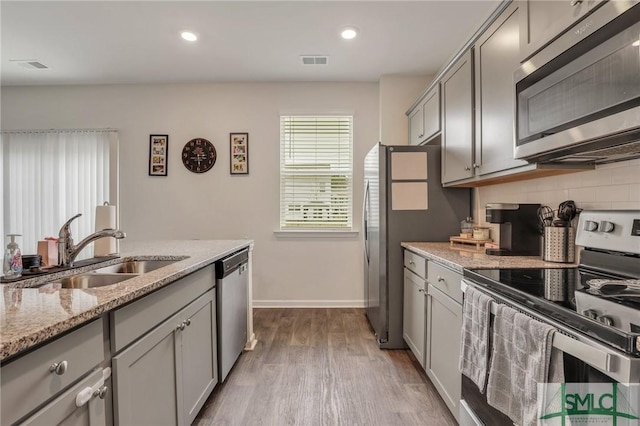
(543, 21)
(424, 120)
(457, 120)
(496, 55)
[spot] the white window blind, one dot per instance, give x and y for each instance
(50, 176)
(316, 172)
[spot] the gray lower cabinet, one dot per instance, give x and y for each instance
(44, 374)
(165, 377)
(64, 410)
(413, 321)
(457, 120)
(444, 325)
(199, 354)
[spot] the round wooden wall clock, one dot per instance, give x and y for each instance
(199, 155)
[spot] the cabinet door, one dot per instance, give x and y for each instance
(413, 324)
(431, 113)
(63, 409)
(199, 354)
(416, 126)
(424, 121)
(543, 21)
(146, 380)
(457, 120)
(443, 346)
(496, 57)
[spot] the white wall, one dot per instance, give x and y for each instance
(215, 205)
(397, 94)
(610, 186)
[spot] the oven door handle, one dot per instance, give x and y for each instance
(583, 351)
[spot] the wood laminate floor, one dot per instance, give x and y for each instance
(323, 367)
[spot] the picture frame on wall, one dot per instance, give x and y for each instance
(158, 155)
(239, 153)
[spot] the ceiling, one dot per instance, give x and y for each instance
(114, 42)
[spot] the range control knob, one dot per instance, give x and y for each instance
(590, 225)
(590, 313)
(606, 226)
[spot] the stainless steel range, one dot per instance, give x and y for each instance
(595, 307)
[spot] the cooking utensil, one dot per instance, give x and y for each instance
(545, 217)
(567, 210)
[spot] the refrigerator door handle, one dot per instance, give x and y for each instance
(365, 224)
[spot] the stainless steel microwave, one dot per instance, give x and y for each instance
(578, 99)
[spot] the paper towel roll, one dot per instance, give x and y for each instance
(105, 218)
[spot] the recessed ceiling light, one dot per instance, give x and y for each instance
(189, 36)
(349, 33)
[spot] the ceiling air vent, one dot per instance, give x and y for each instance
(314, 60)
(29, 64)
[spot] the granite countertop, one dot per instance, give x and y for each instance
(459, 257)
(30, 315)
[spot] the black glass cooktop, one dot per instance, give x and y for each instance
(563, 294)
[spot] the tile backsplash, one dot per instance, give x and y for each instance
(610, 186)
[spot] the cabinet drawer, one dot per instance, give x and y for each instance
(63, 410)
(27, 382)
(445, 280)
(137, 318)
(415, 263)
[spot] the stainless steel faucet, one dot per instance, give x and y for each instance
(67, 252)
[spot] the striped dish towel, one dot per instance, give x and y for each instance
(520, 359)
(474, 342)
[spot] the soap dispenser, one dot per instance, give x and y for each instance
(12, 267)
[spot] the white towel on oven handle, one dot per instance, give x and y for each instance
(520, 360)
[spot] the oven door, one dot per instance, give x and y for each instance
(585, 361)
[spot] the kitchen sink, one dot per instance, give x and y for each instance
(91, 280)
(134, 267)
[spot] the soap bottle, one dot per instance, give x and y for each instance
(12, 267)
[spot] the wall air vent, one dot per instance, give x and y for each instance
(314, 60)
(30, 64)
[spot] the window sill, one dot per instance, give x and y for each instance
(319, 233)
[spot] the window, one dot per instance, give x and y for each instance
(316, 172)
(50, 176)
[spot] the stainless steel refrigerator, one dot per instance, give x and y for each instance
(404, 201)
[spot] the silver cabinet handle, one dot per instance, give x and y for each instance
(59, 367)
(101, 392)
(467, 168)
(181, 327)
(421, 290)
(411, 262)
(575, 2)
(476, 166)
(188, 322)
(440, 279)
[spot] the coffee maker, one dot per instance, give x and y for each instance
(519, 232)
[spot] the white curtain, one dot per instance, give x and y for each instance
(50, 176)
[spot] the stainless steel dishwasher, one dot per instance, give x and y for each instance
(232, 280)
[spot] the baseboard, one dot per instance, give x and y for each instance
(308, 303)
